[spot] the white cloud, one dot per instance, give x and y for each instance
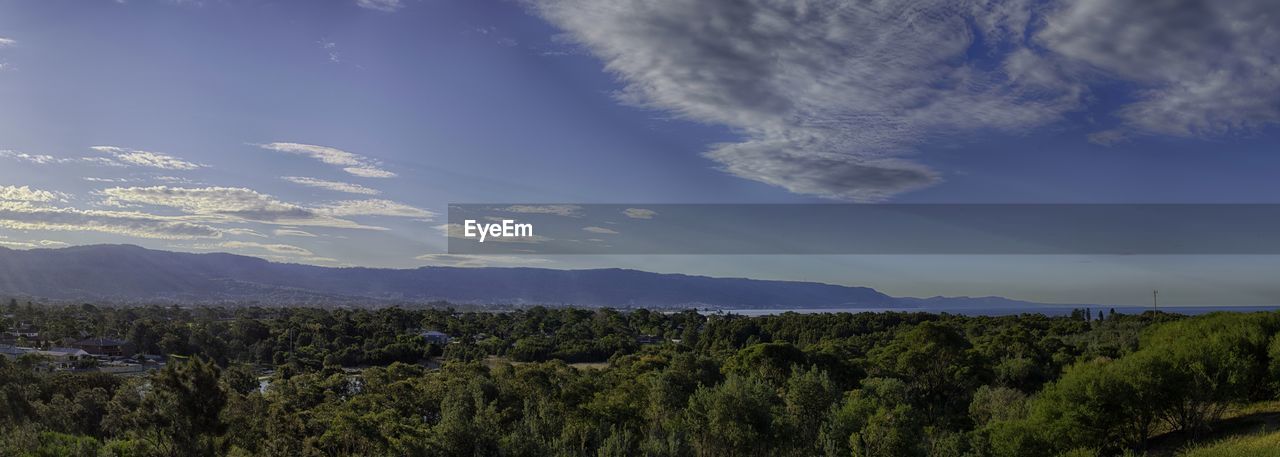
(206, 200)
(293, 232)
(26, 216)
(174, 180)
(826, 93)
(449, 230)
(147, 158)
(103, 161)
(313, 260)
(243, 232)
(28, 194)
(96, 179)
(33, 244)
(1204, 68)
(286, 249)
(373, 207)
(594, 229)
(369, 172)
(351, 163)
(332, 185)
(332, 49)
(270, 251)
(559, 210)
(833, 98)
(128, 157)
(475, 261)
(227, 202)
(639, 213)
(381, 5)
(33, 158)
(5, 42)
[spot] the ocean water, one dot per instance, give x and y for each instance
(1007, 311)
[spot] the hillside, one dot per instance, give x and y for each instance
(127, 273)
(131, 273)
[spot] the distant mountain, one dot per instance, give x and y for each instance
(126, 273)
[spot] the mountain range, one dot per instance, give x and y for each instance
(132, 274)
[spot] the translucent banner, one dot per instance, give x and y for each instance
(864, 229)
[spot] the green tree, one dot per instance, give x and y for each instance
(733, 418)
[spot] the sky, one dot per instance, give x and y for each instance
(337, 132)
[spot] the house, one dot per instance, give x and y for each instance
(14, 352)
(103, 346)
(66, 352)
(61, 358)
(53, 359)
(435, 337)
(24, 330)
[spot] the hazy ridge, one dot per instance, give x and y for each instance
(127, 273)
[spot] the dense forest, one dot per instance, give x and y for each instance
(602, 382)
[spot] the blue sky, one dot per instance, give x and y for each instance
(337, 132)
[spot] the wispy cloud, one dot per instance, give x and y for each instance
(1204, 68)
(5, 42)
(33, 158)
(175, 179)
(228, 202)
(834, 98)
(274, 248)
(373, 207)
(28, 216)
(829, 95)
(293, 232)
(275, 252)
(354, 164)
(241, 231)
(27, 194)
(558, 210)
(332, 185)
(112, 180)
(381, 5)
(594, 229)
(475, 261)
(119, 157)
(330, 48)
(31, 244)
(639, 213)
(147, 158)
(449, 230)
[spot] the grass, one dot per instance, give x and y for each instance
(1239, 425)
(1261, 445)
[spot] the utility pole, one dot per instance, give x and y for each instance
(1155, 300)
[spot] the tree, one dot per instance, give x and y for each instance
(773, 362)
(807, 400)
(734, 418)
(937, 363)
(179, 412)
